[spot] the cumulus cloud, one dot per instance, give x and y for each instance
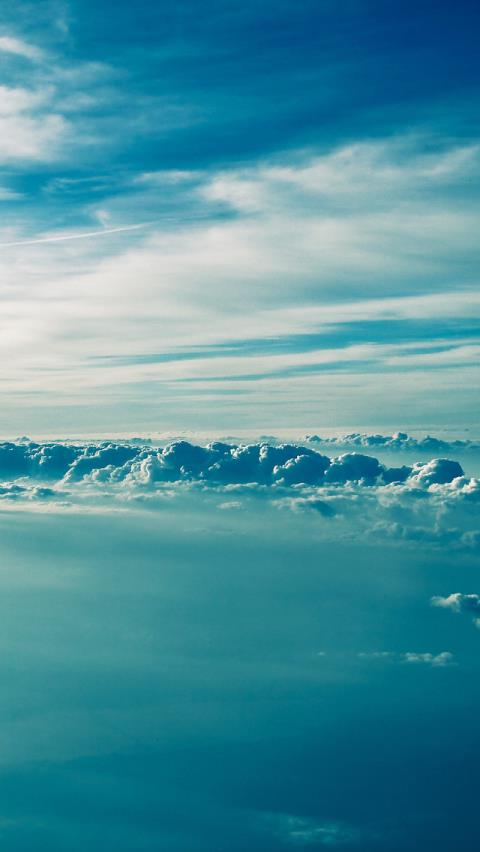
(468, 604)
(354, 467)
(436, 472)
(445, 658)
(430, 503)
(222, 463)
(309, 468)
(397, 441)
(286, 464)
(13, 491)
(441, 660)
(93, 458)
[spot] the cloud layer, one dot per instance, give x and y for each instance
(431, 502)
(398, 441)
(217, 463)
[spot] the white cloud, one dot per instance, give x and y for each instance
(460, 603)
(18, 47)
(445, 658)
(24, 137)
(30, 128)
(351, 495)
(298, 263)
(425, 658)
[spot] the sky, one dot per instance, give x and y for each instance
(239, 444)
(240, 216)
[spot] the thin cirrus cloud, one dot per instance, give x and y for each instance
(58, 238)
(286, 236)
(291, 255)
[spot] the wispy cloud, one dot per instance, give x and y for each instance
(290, 237)
(60, 238)
(18, 47)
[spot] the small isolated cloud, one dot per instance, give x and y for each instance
(460, 603)
(445, 658)
(230, 505)
(441, 660)
(304, 832)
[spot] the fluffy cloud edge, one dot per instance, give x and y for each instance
(428, 503)
(219, 463)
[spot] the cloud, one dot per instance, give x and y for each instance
(301, 832)
(445, 658)
(93, 458)
(18, 47)
(441, 660)
(436, 471)
(283, 465)
(430, 504)
(315, 504)
(302, 468)
(301, 278)
(354, 467)
(13, 491)
(60, 238)
(460, 603)
(24, 137)
(400, 441)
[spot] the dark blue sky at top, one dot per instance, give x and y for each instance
(255, 78)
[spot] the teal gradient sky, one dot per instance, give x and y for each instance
(245, 217)
(239, 444)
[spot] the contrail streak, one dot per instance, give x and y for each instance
(82, 236)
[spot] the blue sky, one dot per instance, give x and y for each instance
(238, 213)
(256, 220)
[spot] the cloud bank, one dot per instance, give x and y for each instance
(398, 441)
(429, 502)
(217, 463)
